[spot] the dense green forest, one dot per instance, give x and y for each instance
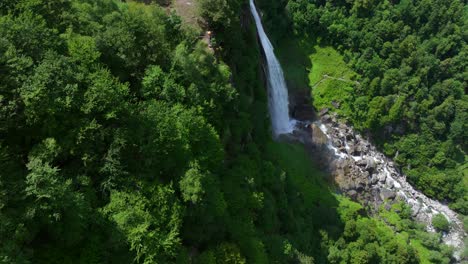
(410, 59)
(124, 139)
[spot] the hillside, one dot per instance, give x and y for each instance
(125, 139)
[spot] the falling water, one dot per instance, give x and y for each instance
(277, 90)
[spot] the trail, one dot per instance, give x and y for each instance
(327, 77)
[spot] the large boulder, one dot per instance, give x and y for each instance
(370, 165)
(387, 194)
(318, 137)
(382, 177)
(323, 112)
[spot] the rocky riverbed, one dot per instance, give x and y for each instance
(366, 175)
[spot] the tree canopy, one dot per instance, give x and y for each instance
(124, 139)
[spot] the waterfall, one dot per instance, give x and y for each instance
(277, 90)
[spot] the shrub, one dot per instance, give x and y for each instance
(440, 223)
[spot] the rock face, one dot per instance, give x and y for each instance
(368, 176)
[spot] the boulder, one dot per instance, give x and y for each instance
(326, 118)
(351, 186)
(389, 182)
(364, 175)
(318, 137)
(387, 194)
(370, 165)
(337, 142)
(352, 194)
(343, 128)
(374, 179)
(350, 148)
(335, 104)
(361, 163)
(416, 207)
(323, 112)
(382, 177)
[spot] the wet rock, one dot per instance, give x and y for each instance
(364, 175)
(370, 164)
(382, 177)
(389, 183)
(352, 194)
(362, 162)
(337, 142)
(401, 196)
(326, 118)
(343, 128)
(318, 137)
(351, 186)
(335, 104)
(323, 112)
(415, 206)
(387, 194)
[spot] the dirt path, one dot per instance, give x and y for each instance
(325, 77)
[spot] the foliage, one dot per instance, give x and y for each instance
(124, 139)
(151, 225)
(440, 223)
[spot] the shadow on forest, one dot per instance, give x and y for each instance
(98, 241)
(312, 215)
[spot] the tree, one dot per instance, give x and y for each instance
(151, 222)
(191, 184)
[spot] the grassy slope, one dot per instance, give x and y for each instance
(326, 61)
(187, 10)
(305, 62)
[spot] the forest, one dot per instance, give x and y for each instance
(125, 139)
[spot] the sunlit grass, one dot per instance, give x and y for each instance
(330, 79)
(310, 65)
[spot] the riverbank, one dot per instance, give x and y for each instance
(366, 175)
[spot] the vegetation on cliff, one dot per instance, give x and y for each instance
(410, 61)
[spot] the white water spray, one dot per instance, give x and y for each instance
(277, 90)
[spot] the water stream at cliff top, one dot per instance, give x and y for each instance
(277, 90)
